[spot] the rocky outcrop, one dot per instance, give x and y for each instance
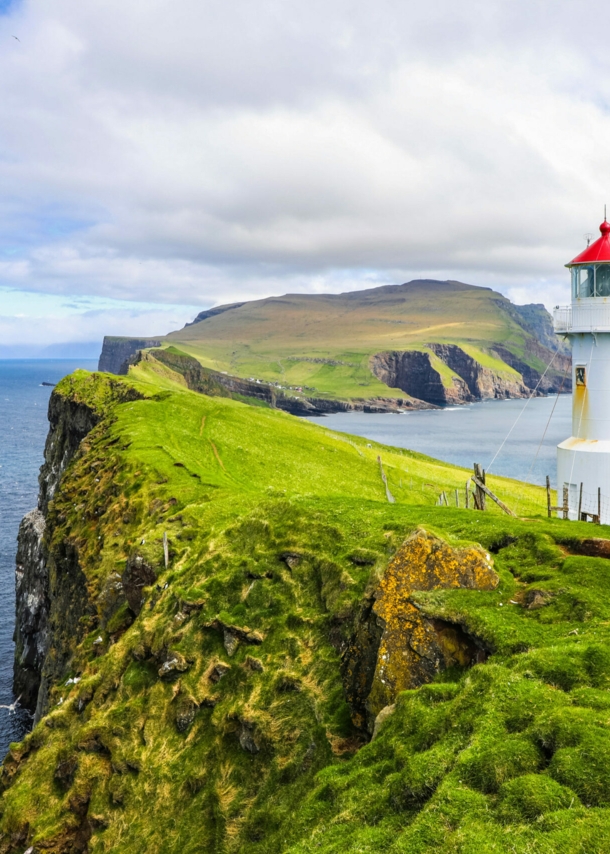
(414, 372)
(69, 423)
(117, 351)
(32, 593)
(36, 577)
(558, 377)
(68, 603)
(395, 647)
(483, 383)
(536, 320)
(51, 589)
(137, 575)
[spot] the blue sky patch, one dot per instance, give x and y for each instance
(7, 6)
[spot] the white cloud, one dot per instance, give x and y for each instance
(200, 153)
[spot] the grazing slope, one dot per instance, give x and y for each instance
(342, 345)
(203, 705)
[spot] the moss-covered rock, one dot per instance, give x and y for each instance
(395, 647)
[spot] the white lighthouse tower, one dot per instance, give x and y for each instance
(583, 460)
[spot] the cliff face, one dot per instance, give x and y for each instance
(413, 371)
(32, 609)
(117, 351)
(51, 591)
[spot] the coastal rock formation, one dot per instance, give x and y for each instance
(69, 423)
(395, 647)
(32, 594)
(559, 378)
(117, 351)
(51, 590)
(414, 372)
(295, 600)
(482, 382)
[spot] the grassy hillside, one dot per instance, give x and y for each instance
(212, 716)
(325, 342)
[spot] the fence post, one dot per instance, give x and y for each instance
(599, 505)
(566, 505)
(457, 498)
(479, 473)
(580, 503)
(548, 496)
(467, 495)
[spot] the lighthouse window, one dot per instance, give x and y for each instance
(602, 280)
(584, 282)
(580, 373)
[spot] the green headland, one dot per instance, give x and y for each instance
(426, 340)
(216, 572)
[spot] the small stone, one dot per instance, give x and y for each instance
(172, 666)
(218, 670)
(291, 559)
(230, 642)
(382, 717)
(137, 575)
(246, 737)
(535, 599)
(185, 713)
(254, 664)
(65, 771)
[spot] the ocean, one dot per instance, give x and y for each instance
(475, 433)
(460, 435)
(23, 430)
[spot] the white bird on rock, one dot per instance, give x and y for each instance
(12, 708)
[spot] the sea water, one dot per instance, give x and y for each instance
(519, 436)
(23, 430)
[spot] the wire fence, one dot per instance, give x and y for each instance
(578, 503)
(574, 502)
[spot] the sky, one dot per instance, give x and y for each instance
(158, 158)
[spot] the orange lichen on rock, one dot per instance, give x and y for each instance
(411, 648)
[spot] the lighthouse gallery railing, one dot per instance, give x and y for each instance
(582, 318)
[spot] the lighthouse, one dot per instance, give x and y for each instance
(583, 460)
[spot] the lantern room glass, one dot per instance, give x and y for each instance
(583, 282)
(602, 280)
(592, 280)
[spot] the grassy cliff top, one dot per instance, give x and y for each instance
(325, 341)
(213, 718)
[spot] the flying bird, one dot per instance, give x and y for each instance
(15, 37)
(13, 706)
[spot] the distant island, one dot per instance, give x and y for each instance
(423, 343)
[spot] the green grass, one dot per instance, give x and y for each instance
(509, 756)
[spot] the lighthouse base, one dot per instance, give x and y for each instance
(586, 462)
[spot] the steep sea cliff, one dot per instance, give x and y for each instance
(23, 428)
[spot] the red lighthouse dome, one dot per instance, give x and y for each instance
(597, 252)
